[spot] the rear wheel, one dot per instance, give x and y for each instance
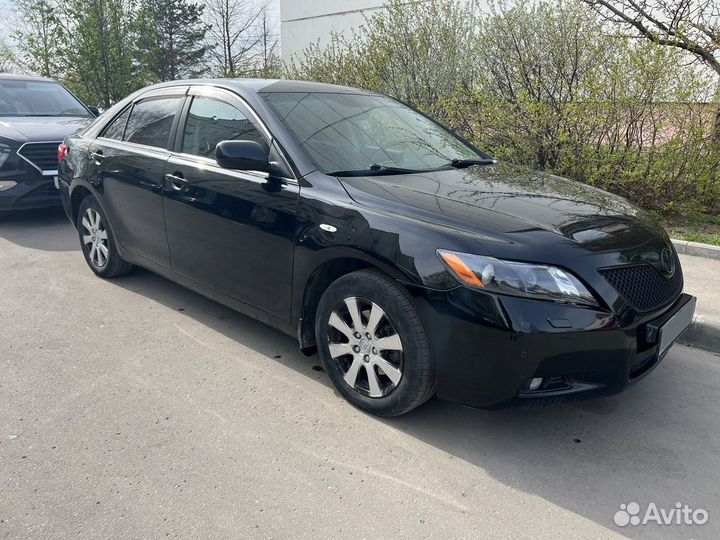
(373, 344)
(97, 242)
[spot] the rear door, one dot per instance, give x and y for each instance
(130, 155)
(229, 230)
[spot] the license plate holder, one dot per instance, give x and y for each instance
(675, 325)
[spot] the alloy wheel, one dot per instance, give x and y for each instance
(95, 238)
(366, 346)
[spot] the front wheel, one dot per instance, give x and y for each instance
(373, 345)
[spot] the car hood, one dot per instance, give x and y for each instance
(40, 128)
(505, 204)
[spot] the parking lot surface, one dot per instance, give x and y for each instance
(136, 408)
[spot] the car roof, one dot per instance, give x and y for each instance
(19, 77)
(257, 86)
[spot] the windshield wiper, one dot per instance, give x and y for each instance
(379, 170)
(374, 170)
(463, 163)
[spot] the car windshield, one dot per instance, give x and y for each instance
(38, 98)
(360, 133)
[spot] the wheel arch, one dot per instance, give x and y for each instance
(77, 196)
(318, 281)
(81, 189)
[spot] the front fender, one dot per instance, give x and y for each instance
(335, 235)
(331, 225)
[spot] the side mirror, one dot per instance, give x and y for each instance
(94, 110)
(242, 156)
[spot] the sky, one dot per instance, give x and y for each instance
(5, 31)
(8, 6)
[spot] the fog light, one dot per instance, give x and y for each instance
(535, 383)
(7, 184)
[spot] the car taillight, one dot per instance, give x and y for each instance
(62, 152)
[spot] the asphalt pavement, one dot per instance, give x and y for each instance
(134, 408)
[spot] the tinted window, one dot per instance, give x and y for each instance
(117, 127)
(346, 132)
(150, 122)
(38, 98)
(211, 121)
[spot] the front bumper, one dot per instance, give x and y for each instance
(488, 348)
(32, 191)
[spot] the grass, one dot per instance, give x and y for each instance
(704, 228)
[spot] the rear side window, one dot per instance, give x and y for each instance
(151, 121)
(116, 128)
(210, 121)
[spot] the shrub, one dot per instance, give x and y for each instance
(542, 84)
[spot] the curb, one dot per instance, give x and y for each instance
(703, 334)
(696, 249)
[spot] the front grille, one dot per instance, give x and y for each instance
(643, 286)
(42, 156)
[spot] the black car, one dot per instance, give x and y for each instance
(36, 114)
(414, 263)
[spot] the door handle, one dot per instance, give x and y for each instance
(98, 156)
(176, 181)
(152, 186)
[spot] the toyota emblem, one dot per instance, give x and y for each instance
(667, 262)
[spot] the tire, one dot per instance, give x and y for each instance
(397, 352)
(97, 242)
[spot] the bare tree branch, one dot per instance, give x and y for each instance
(685, 24)
(237, 35)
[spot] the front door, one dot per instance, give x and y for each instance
(229, 230)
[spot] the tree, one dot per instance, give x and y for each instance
(39, 37)
(690, 25)
(7, 59)
(233, 35)
(172, 39)
(269, 62)
(101, 53)
(538, 57)
(421, 55)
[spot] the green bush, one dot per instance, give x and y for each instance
(542, 84)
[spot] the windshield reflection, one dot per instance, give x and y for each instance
(360, 132)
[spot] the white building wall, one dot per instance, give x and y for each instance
(303, 22)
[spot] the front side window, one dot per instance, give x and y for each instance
(38, 98)
(116, 129)
(151, 121)
(356, 132)
(211, 121)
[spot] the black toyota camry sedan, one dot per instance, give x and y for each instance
(36, 114)
(412, 262)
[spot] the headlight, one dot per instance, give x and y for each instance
(515, 278)
(5, 152)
